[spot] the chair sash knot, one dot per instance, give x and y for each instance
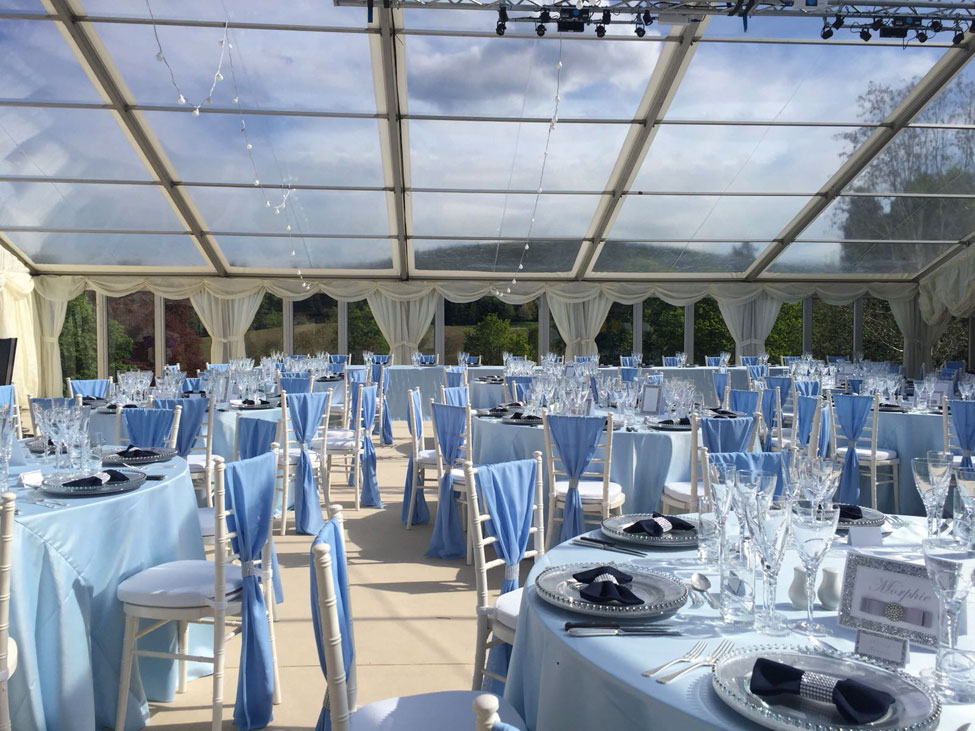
(254, 568)
(512, 573)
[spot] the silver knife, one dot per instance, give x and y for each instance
(601, 547)
(622, 631)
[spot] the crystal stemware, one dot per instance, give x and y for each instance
(769, 525)
(933, 491)
(813, 531)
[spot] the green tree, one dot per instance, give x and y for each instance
(832, 329)
(79, 352)
(364, 333)
(786, 335)
(663, 330)
(120, 348)
(882, 339)
(615, 338)
(493, 336)
(711, 335)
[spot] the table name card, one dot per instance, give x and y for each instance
(650, 400)
(862, 536)
(890, 598)
(893, 650)
(31, 478)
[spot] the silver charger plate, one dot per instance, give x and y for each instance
(870, 517)
(110, 456)
(662, 594)
(613, 527)
(521, 422)
(37, 445)
(671, 427)
(915, 708)
(54, 485)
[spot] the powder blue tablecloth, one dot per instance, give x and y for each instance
(641, 462)
(486, 395)
(428, 379)
(64, 612)
(911, 435)
(558, 682)
(703, 380)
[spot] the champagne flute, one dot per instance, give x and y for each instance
(769, 526)
(933, 493)
(813, 531)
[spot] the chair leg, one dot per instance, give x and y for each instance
(357, 466)
(283, 530)
(873, 485)
(269, 602)
(896, 491)
(125, 677)
(418, 476)
(480, 651)
(219, 637)
(183, 630)
(551, 524)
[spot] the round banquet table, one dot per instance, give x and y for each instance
(64, 612)
(559, 682)
(486, 395)
(642, 461)
(911, 435)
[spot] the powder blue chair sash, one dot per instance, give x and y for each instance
(191, 384)
(586, 358)
(768, 416)
(720, 379)
(473, 360)
(655, 379)
(428, 359)
(91, 388)
(249, 488)
(854, 384)
(963, 419)
(627, 361)
(355, 376)
(295, 384)
(331, 535)
(836, 359)
(776, 463)
(628, 373)
(575, 439)
(520, 387)
(334, 367)
(712, 361)
(190, 420)
(370, 483)
(454, 376)
(457, 396)
(381, 359)
(757, 372)
(338, 358)
(726, 435)
(254, 436)
(148, 427)
(384, 430)
(805, 413)
(421, 513)
(447, 540)
(749, 360)
(744, 402)
(851, 417)
(306, 411)
(783, 383)
(808, 388)
(670, 361)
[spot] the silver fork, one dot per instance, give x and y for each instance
(690, 655)
(720, 651)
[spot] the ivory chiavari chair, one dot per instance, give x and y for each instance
(347, 445)
(8, 397)
(456, 469)
(871, 457)
(958, 415)
(423, 459)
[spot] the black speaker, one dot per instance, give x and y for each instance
(8, 349)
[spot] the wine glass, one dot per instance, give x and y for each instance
(813, 531)
(707, 531)
(933, 492)
(951, 566)
(769, 525)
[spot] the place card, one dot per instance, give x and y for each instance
(890, 598)
(31, 478)
(865, 536)
(893, 650)
(650, 399)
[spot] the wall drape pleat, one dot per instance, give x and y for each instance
(579, 322)
(750, 323)
(403, 322)
(227, 321)
(919, 336)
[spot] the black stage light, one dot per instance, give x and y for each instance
(647, 18)
(838, 23)
(502, 15)
(500, 29)
(827, 33)
(936, 26)
(607, 17)
(545, 17)
(922, 36)
(600, 31)
(540, 30)
(959, 37)
(640, 31)
(865, 35)
(877, 23)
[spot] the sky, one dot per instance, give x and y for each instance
(705, 185)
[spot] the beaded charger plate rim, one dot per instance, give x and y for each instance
(521, 422)
(916, 706)
(556, 586)
(670, 427)
(111, 457)
(54, 485)
(613, 526)
(870, 518)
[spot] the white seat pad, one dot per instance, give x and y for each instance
(680, 490)
(197, 462)
(207, 519)
(864, 454)
(177, 584)
(340, 444)
(449, 710)
(294, 453)
(457, 475)
(428, 456)
(591, 491)
(506, 608)
(339, 434)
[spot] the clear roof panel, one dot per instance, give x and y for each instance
(670, 257)
(274, 69)
(682, 217)
(509, 156)
(39, 66)
(795, 83)
(495, 256)
(923, 160)
(739, 159)
(274, 252)
(18, 6)
(856, 258)
(58, 143)
(86, 206)
(894, 219)
(516, 77)
(339, 213)
(293, 150)
(503, 216)
(107, 249)
(955, 104)
(293, 12)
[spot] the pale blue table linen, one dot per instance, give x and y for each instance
(486, 395)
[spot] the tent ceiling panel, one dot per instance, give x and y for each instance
(39, 66)
(332, 212)
(894, 219)
(108, 249)
(494, 256)
(955, 104)
(738, 159)
(680, 217)
(44, 142)
(516, 77)
(795, 83)
(275, 69)
(293, 150)
(99, 206)
(265, 252)
(660, 257)
(297, 12)
(807, 257)
(505, 156)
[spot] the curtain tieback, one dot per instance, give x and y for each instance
(966, 453)
(852, 444)
(222, 340)
(578, 341)
(512, 573)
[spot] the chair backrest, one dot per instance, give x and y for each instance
(385, 359)
(712, 361)
(771, 462)
(8, 397)
(517, 388)
(190, 425)
(959, 428)
(807, 388)
(255, 435)
(790, 359)
(338, 358)
(454, 376)
(808, 428)
(429, 358)
(787, 392)
(670, 361)
(722, 386)
(599, 466)
(89, 387)
(770, 426)
(300, 383)
(7, 512)
(473, 360)
(868, 436)
(629, 373)
(455, 396)
(749, 360)
(728, 435)
(465, 447)
(756, 372)
(742, 401)
(514, 514)
(152, 427)
(414, 420)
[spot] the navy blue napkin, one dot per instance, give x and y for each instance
(610, 589)
(653, 529)
(850, 512)
(95, 481)
(252, 402)
(856, 702)
(133, 452)
(683, 421)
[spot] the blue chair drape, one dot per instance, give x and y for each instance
(783, 383)
(628, 374)
(331, 535)
(836, 359)
(776, 463)
(473, 360)
(454, 376)
(790, 359)
(421, 513)
(254, 436)
(249, 487)
(726, 435)
(769, 417)
(963, 420)
(851, 417)
(757, 372)
(384, 430)
(575, 439)
(808, 388)
(720, 380)
(295, 384)
(148, 427)
(670, 361)
(191, 384)
(519, 386)
(338, 358)
(190, 420)
(217, 366)
(586, 358)
(370, 483)
(90, 387)
(854, 384)
(306, 411)
(457, 396)
(381, 359)
(656, 379)
(428, 359)
(447, 540)
(744, 402)
(805, 413)
(749, 360)
(712, 361)
(628, 361)
(355, 375)
(336, 367)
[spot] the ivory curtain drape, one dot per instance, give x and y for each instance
(403, 322)
(750, 322)
(579, 322)
(17, 320)
(227, 321)
(919, 336)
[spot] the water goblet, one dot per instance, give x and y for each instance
(769, 525)
(813, 531)
(707, 532)
(933, 493)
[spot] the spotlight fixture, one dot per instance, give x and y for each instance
(640, 31)
(600, 30)
(502, 15)
(545, 17)
(877, 24)
(865, 35)
(647, 18)
(922, 37)
(838, 23)
(500, 29)
(936, 26)
(959, 37)
(827, 33)
(539, 30)
(607, 17)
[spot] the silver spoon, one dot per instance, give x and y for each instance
(701, 583)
